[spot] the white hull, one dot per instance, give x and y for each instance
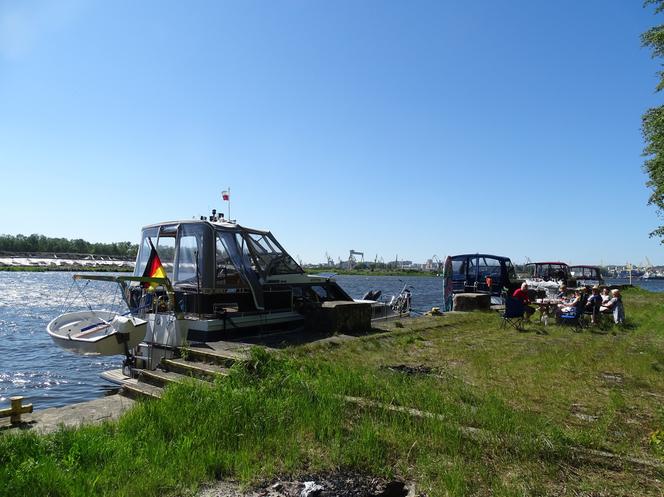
(96, 332)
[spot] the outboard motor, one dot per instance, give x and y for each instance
(372, 295)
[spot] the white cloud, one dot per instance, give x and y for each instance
(26, 24)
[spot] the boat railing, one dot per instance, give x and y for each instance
(123, 280)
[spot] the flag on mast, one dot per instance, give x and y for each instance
(154, 268)
(226, 195)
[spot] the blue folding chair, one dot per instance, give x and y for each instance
(575, 316)
(513, 314)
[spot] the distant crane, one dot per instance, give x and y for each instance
(353, 253)
(330, 261)
(351, 258)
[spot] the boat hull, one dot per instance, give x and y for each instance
(96, 332)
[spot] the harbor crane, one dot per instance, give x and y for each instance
(353, 253)
(351, 258)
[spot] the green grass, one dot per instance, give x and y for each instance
(506, 406)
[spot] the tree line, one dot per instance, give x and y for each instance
(653, 122)
(41, 243)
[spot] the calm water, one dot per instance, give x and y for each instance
(33, 366)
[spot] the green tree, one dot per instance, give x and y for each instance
(653, 123)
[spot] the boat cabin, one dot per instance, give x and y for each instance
(549, 271)
(483, 273)
(221, 270)
(587, 275)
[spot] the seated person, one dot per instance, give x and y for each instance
(571, 305)
(594, 302)
(562, 293)
(614, 306)
(521, 294)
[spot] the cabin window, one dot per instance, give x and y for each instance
(489, 267)
(472, 268)
(166, 250)
(247, 255)
(226, 275)
(189, 257)
(143, 255)
(265, 256)
(511, 272)
(165, 246)
(459, 269)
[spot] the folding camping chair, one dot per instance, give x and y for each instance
(575, 316)
(513, 314)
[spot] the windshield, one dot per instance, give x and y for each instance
(260, 253)
(267, 256)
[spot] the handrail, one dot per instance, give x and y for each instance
(142, 279)
(121, 280)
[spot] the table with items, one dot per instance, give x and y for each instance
(547, 308)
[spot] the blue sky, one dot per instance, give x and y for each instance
(392, 128)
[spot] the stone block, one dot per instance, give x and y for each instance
(340, 316)
(467, 302)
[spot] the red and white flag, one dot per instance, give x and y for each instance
(226, 195)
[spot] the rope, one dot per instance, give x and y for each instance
(62, 308)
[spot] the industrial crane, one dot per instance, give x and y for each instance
(353, 253)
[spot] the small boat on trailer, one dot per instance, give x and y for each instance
(208, 280)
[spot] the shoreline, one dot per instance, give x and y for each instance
(68, 269)
(346, 272)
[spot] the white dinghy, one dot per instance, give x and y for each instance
(97, 332)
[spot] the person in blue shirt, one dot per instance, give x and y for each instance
(562, 293)
(594, 303)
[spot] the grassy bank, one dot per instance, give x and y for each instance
(77, 269)
(511, 414)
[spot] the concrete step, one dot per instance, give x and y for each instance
(160, 378)
(115, 376)
(135, 389)
(224, 358)
(201, 370)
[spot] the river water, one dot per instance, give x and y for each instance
(31, 365)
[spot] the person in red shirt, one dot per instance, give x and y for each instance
(521, 294)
